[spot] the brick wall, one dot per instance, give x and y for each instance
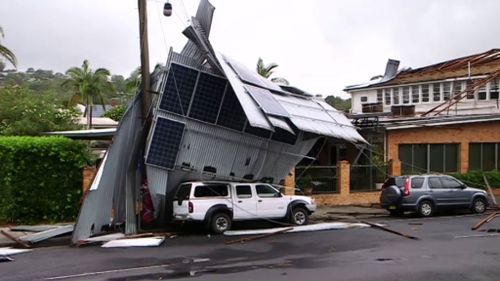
(461, 134)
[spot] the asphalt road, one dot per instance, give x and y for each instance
(353, 254)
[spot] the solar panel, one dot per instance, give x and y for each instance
(207, 98)
(180, 84)
(165, 143)
(266, 101)
(249, 76)
(231, 114)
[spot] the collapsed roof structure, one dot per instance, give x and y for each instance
(213, 119)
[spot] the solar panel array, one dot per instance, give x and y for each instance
(165, 143)
(207, 98)
(231, 114)
(181, 81)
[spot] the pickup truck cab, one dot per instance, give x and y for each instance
(217, 204)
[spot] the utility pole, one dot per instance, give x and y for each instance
(143, 35)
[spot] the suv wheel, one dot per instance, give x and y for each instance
(479, 205)
(425, 208)
(219, 223)
(299, 216)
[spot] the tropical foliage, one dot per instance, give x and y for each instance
(88, 86)
(25, 113)
(52, 191)
(5, 52)
(339, 103)
(265, 70)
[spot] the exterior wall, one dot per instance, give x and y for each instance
(356, 104)
(463, 134)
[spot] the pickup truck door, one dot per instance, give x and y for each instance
(245, 202)
(270, 202)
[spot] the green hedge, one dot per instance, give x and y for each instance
(40, 178)
(475, 178)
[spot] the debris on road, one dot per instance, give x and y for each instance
(135, 242)
(15, 239)
(490, 192)
(32, 228)
(47, 234)
(374, 225)
(252, 238)
(6, 259)
(485, 220)
(477, 235)
(8, 251)
(302, 228)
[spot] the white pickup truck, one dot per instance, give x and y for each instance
(217, 204)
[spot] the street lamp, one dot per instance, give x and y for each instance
(167, 9)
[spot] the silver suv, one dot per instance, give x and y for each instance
(425, 194)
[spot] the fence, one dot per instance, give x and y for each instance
(324, 178)
(366, 177)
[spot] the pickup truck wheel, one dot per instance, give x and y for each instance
(299, 216)
(479, 205)
(219, 223)
(425, 208)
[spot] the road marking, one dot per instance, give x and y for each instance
(105, 272)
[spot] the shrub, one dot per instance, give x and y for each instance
(40, 178)
(475, 178)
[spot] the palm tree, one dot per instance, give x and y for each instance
(89, 86)
(6, 53)
(267, 70)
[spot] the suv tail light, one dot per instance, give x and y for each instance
(190, 207)
(406, 188)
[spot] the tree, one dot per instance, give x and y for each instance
(88, 86)
(27, 113)
(339, 103)
(6, 53)
(267, 70)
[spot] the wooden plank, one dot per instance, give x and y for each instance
(493, 199)
(16, 240)
(390, 230)
(485, 220)
(252, 238)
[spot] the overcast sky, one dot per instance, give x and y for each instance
(320, 45)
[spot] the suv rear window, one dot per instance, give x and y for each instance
(211, 190)
(417, 182)
(398, 181)
(183, 192)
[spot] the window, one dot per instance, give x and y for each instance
(494, 89)
(264, 190)
(470, 92)
(183, 192)
(395, 95)
(364, 98)
(415, 94)
(436, 92)
(387, 96)
(211, 190)
(484, 156)
(243, 191)
(457, 88)
(406, 94)
(446, 90)
(481, 93)
(417, 182)
(379, 96)
(434, 182)
(425, 158)
(450, 183)
(425, 93)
